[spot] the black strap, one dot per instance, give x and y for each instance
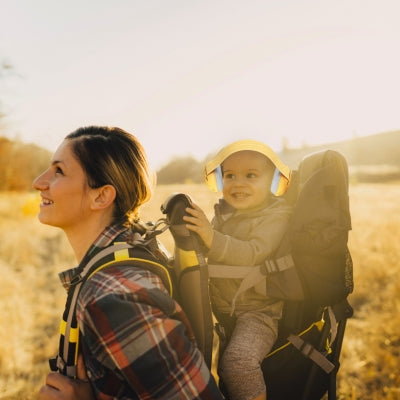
(139, 256)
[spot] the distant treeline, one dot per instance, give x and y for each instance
(181, 170)
(20, 164)
(371, 159)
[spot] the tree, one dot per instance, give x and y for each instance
(5, 69)
(20, 164)
(181, 170)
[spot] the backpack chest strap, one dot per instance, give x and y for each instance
(250, 275)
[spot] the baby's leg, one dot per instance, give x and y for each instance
(252, 339)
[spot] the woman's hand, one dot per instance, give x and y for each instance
(60, 387)
(198, 222)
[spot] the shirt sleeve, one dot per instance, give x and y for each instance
(148, 350)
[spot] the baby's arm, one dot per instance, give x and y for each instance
(199, 223)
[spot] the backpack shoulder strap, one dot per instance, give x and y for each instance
(117, 254)
(124, 253)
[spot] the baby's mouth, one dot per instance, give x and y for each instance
(240, 195)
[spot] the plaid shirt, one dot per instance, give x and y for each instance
(134, 338)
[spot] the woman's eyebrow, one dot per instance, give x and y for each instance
(55, 162)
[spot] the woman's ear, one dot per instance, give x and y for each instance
(105, 196)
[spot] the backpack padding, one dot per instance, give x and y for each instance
(318, 232)
(321, 247)
(191, 274)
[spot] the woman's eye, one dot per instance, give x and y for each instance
(59, 171)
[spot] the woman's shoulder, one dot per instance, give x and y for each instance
(139, 292)
(127, 281)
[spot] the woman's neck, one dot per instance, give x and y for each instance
(81, 239)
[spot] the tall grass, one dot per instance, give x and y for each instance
(371, 352)
(32, 300)
(30, 297)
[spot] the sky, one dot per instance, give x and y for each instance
(190, 76)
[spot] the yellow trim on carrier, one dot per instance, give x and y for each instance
(143, 260)
(318, 324)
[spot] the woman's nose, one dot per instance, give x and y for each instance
(40, 183)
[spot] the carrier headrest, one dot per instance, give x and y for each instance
(314, 162)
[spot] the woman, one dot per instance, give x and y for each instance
(97, 180)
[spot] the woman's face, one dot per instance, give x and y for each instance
(64, 190)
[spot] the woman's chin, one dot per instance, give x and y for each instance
(44, 219)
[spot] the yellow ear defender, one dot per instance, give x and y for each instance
(213, 171)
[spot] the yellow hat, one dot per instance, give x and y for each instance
(213, 171)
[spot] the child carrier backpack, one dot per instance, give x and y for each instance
(311, 271)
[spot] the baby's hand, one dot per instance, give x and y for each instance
(198, 222)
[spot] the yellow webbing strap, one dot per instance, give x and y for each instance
(73, 334)
(121, 254)
(74, 339)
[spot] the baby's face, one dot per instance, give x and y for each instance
(247, 177)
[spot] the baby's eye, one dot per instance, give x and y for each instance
(228, 176)
(251, 175)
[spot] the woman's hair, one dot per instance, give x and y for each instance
(112, 156)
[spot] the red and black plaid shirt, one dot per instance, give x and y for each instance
(132, 348)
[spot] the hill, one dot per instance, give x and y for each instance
(371, 158)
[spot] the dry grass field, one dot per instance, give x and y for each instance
(31, 299)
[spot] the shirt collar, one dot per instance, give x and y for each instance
(105, 238)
